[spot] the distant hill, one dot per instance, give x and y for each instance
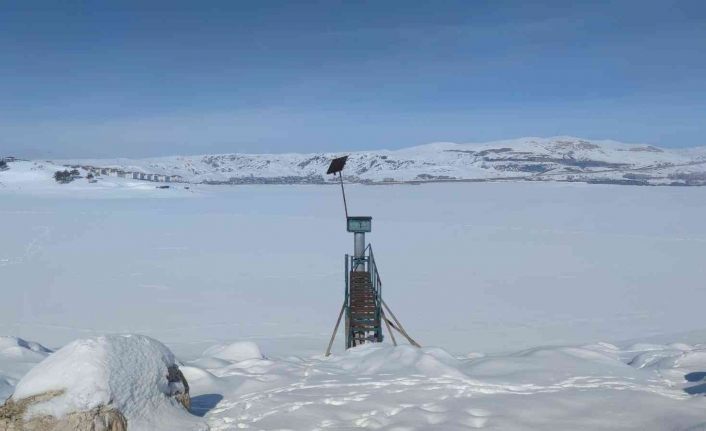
(527, 159)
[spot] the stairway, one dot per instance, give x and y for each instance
(364, 317)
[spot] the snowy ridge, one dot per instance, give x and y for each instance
(561, 158)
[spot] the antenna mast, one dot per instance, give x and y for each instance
(337, 166)
(343, 191)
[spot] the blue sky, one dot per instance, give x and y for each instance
(95, 78)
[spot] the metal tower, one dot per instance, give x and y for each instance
(363, 306)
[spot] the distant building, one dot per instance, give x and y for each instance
(135, 175)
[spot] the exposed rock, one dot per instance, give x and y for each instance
(13, 417)
(179, 386)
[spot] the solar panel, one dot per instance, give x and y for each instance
(337, 165)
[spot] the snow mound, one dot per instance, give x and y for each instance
(238, 351)
(369, 359)
(13, 347)
(17, 356)
(127, 372)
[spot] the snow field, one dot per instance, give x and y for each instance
(467, 267)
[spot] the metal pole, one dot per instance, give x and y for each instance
(359, 251)
(343, 191)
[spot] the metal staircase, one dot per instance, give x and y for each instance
(363, 306)
(363, 300)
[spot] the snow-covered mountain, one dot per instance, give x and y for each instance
(535, 159)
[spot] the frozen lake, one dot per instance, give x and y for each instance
(471, 267)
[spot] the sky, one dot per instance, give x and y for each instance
(137, 79)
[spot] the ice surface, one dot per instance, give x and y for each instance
(128, 372)
(467, 267)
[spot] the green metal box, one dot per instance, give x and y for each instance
(359, 224)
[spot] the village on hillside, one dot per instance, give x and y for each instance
(115, 172)
(93, 173)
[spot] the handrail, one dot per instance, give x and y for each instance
(372, 259)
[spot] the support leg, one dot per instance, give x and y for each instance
(400, 327)
(335, 329)
(389, 330)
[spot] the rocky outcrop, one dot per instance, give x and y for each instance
(14, 417)
(108, 383)
(14, 414)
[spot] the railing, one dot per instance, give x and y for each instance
(375, 277)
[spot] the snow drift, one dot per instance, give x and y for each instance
(17, 356)
(592, 387)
